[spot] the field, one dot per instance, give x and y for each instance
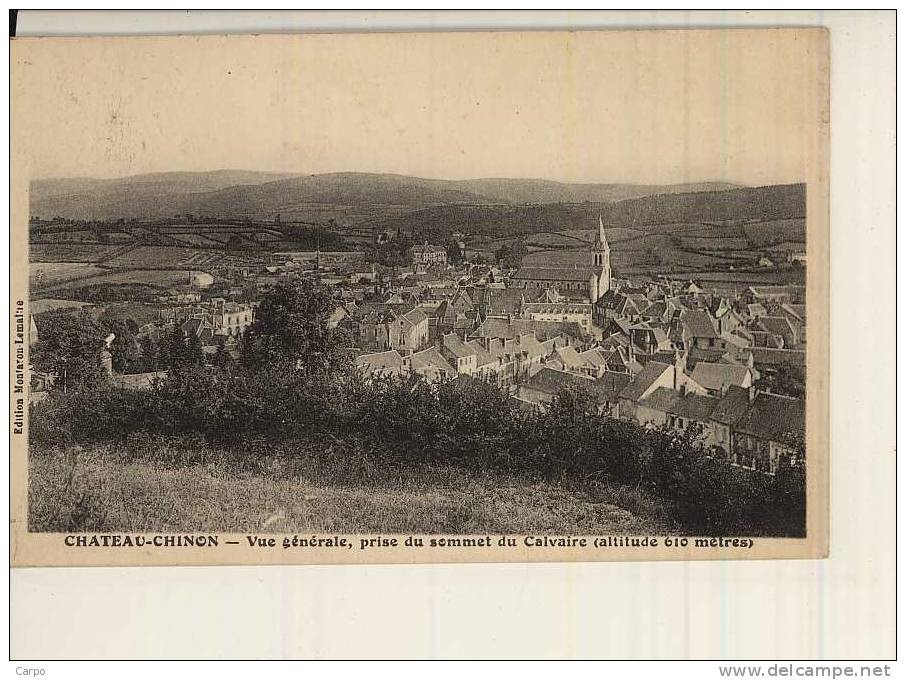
(43, 305)
(68, 252)
(44, 274)
(684, 247)
(151, 257)
(202, 241)
(768, 233)
(111, 279)
(154, 486)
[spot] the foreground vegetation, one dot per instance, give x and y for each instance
(180, 484)
(293, 391)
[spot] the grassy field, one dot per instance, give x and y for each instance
(69, 252)
(42, 274)
(153, 484)
(96, 276)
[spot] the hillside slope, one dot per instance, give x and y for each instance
(547, 191)
(759, 203)
(233, 193)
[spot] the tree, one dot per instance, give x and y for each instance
(511, 254)
(69, 348)
(788, 380)
(290, 328)
(151, 356)
(174, 350)
(124, 349)
(222, 358)
(194, 352)
(182, 352)
(235, 242)
(454, 252)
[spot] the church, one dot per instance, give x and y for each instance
(586, 281)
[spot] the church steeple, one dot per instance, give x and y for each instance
(601, 250)
(601, 258)
(601, 239)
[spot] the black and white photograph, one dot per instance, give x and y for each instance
(423, 291)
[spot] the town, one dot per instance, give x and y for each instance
(726, 361)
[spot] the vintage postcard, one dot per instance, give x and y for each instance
(419, 297)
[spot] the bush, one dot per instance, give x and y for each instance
(407, 421)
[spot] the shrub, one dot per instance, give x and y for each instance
(407, 421)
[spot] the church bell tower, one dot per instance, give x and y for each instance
(601, 259)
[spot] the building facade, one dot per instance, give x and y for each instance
(587, 282)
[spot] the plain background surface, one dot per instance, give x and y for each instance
(842, 607)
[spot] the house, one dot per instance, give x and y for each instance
(730, 408)
(649, 339)
(430, 364)
(660, 311)
(507, 303)
(487, 366)
(382, 364)
(692, 289)
(653, 376)
(763, 438)
(379, 327)
(621, 359)
(691, 411)
(717, 377)
(652, 409)
(572, 312)
(779, 326)
(767, 358)
(408, 332)
(546, 384)
(565, 359)
(232, 319)
(427, 255)
(700, 329)
(780, 294)
(728, 320)
(460, 355)
(369, 326)
(594, 362)
(679, 410)
(493, 327)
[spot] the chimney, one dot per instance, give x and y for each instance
(752, 393)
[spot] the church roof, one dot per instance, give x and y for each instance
(555, 273)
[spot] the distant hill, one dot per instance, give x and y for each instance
(228, 194)
(783, 201)
(238, 193)
(758, 203)
(159, 182)
(547, 191)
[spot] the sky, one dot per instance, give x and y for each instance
(633, 106)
